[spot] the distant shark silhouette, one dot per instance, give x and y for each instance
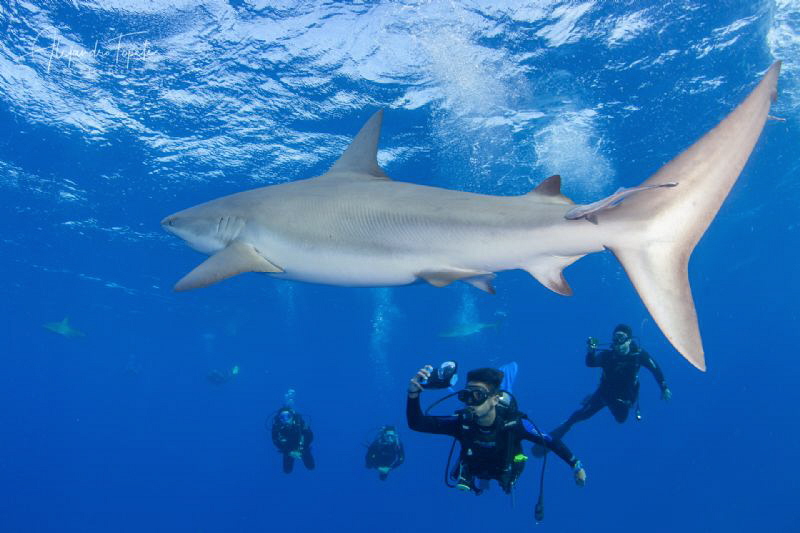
(354, 226)
(468, 328)
(63, 328)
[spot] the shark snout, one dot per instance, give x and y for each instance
(168, 221)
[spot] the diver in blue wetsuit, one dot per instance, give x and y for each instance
(619, 383)
(489, 429)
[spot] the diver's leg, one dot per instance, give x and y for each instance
(590, 406)
(288, 463)
(308, 459)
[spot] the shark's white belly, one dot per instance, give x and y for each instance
(398, 256)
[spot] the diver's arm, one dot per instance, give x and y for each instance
(594, 359)
(276, 435)
(440, 425)
(558, 447)
(650, 364)
(529, 432)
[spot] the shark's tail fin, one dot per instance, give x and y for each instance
(653, 233)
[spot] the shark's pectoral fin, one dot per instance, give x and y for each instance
(234, 259)
(549, 272)
(443, 278)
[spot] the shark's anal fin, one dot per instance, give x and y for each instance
(234, 259)
(549, 272)
(443, 278)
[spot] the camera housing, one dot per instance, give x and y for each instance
(443, 377)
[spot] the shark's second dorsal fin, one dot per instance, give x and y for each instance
(551, 189)
(361, 157)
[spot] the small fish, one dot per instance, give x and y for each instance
(589, 211)
(63, 328)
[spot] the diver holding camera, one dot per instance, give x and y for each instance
(489, 429)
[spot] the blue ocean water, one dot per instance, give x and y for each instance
(116, 113)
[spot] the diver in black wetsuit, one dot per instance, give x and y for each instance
(385, 453)
(619, 384)
(490, 434)
(292, 436)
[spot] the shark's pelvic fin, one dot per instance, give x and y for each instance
(482, 282)
(234, 259)
(443, 278)
(361, 157)
(653, 235)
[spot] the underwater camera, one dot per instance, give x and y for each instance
(443, 377)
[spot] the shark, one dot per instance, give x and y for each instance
(63, 328)
(354, 226)
(468, 328)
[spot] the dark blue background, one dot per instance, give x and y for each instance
(88, 445)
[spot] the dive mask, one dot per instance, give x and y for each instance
(473, 396)
(621, 337)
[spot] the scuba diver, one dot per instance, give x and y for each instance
(490, 430)
(619, 383)
(385, 453)
(292, 435)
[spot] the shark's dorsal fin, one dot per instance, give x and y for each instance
(234, 259)
(361, 157)
(551, 189)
